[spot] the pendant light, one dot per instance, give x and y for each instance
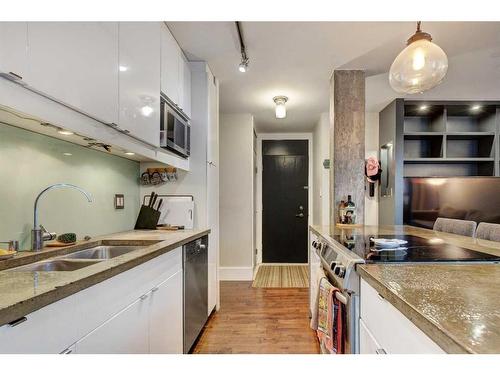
(421, 66)
(280, 102)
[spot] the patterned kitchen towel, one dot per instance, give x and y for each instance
(315, 290)
(330, 319)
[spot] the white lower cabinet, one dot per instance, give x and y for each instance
(137, 311)
(124, 333)
(165, 317)
(384, 329)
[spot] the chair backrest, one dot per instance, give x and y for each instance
(488, 231)
(455, 226)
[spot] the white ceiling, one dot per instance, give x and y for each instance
(296, 59)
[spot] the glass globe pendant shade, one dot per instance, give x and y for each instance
(421, 66)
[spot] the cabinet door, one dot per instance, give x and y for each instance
(166, 320)
(367, 343)
(77, 64)
(185, 84)
(13, 49)
(124, 333)
(170, 69)
(139, 80)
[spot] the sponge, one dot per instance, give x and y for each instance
(67, 238)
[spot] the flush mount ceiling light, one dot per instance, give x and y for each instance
(243, 67)
(421, 66)
(280, 102)
(475, 108)
(423, 108)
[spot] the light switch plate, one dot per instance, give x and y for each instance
(119, 201)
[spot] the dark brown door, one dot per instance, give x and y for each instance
(284, 201)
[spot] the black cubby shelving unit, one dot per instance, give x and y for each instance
(449, 139)
(443, 139)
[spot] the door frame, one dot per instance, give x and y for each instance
(258, 210)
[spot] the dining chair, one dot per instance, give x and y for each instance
(488, 231)
(455, 226)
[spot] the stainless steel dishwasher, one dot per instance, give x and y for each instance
(195, 259)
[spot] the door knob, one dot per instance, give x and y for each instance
(300, 215)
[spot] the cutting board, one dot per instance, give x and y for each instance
(176, 211)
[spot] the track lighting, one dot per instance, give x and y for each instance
(243, 67)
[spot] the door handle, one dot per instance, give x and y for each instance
(299, 215)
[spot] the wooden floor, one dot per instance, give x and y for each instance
(259, 320)
(282, 277)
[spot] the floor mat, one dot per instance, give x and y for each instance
(282, 277)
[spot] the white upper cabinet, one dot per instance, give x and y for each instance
(170, 68)
(14, 49)
(185, 87)
(139, 82)
(175, 72)
(77, 64)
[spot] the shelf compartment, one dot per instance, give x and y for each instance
(423, 146)
(432, 120)
(473, 145)
(460, 118)
(450, 168)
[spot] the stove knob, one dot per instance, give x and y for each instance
(339, 271)
(314, 244)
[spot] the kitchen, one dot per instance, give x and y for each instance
(180, 187)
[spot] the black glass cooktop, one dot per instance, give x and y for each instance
(417, 249)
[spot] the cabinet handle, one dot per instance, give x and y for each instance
(380, 351)
(155, 289)
(380, 296)
(143, 297)
(67, 351)
(17, 76)
(18, 321)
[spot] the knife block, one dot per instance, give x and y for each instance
(148, 218)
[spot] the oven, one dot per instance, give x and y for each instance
(339, 265)
(175, 131)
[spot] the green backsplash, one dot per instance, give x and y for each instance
(29, 162)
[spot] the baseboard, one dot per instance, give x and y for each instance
(283, 264)
(236, 273)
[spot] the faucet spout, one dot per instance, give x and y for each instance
(37, 235)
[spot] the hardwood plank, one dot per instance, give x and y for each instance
(259, 320)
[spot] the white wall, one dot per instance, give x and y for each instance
(321, 185)
(236, 196)
(371, 149)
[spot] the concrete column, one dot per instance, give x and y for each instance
(347, 140)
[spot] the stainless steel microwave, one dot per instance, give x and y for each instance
(175, 131)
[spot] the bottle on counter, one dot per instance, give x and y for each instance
(342, 212)
(350, 211)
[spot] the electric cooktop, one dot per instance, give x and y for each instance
(418, 250)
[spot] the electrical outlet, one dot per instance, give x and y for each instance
(119, 201)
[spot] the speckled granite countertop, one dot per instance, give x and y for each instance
(456, 305)
(23, 292)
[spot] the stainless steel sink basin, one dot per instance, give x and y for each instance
(56, 265)
(102, 252)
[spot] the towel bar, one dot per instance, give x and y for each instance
(341, 297)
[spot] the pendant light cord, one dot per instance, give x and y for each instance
(418, 26)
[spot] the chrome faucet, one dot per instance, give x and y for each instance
(39, 234)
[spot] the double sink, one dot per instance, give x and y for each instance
(80, 259)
